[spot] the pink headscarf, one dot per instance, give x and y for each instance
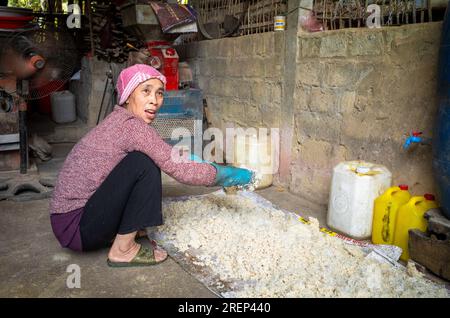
(134, 75)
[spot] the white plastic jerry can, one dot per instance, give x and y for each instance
(63, 107)
(354, 187)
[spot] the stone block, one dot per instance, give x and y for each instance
(275, 93)
(234, 67)
(203, 84)
(340, 153)
(269, 45)
(228, 87)
(226, 48)
(347, 102)
(212, 48)
(315, 153)
(252, 67)
(309, 47)
(323, 100)
(205, 67)
(322, 185)
(242, 89)
(302, 97)
(219, 67)
(216, 86)
(238, 109)
(318, 126)
(214, 103)
(243, 46)
(355, 126)
(258, 45)
(279, 45)
(273, 68)
(253, 117)
(333, 45)
(270, 114)
(310, 184)
(301, 180)
(366, 42)
(340, 74)
(310, 73)
(260, 93)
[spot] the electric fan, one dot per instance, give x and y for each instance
(33, 64)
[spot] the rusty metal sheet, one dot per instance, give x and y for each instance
(9, 123)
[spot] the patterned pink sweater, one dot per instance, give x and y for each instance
(96, 154)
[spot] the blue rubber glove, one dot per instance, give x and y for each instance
(196, 158)
(228, 176)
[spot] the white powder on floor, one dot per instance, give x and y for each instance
(272, 254)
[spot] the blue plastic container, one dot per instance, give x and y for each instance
(181, 109)
(182, 104)
(441, 134)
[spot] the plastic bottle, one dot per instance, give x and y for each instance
(385, 213)
(411, 216)
(354, 187)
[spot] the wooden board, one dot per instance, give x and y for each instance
(437, 223)
(430, 252)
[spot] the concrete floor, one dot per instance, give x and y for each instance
(33, 264)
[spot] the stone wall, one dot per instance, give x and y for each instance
(241, 78)
(359, 92)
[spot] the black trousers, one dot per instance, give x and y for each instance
(128, 200)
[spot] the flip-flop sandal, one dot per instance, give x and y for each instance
(139, 235)
(144, 257)
(152, 241)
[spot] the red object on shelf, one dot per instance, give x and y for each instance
(429, 197)
(165, 60)
(14, 22)
(403, 187)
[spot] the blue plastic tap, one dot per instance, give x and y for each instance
(415, 137)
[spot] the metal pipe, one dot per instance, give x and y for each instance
(23, 136)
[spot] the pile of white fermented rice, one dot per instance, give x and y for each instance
(272, 254)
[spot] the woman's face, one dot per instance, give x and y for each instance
(146, 100)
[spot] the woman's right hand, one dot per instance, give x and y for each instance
(228, 176)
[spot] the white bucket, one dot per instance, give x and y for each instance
(279, 23)
(354, 187)
(256, 154)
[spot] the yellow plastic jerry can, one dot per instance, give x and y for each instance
(411, 216)
(385, 213)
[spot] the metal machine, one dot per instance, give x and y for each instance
(182, 109)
